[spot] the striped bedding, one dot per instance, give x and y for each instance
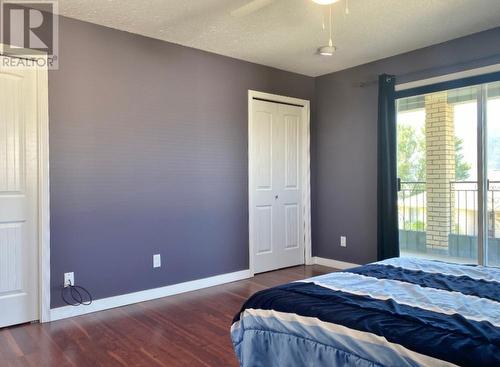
(397, 312)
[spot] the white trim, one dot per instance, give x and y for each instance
(306, 182)
(337, 264)
(448, 77)
(147, 295)
(43, 194)
(306, 170)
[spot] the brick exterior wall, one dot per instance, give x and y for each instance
(440, 157)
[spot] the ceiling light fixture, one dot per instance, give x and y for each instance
(327, 50)
(330, 49)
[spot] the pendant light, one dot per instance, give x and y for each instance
(330, 49)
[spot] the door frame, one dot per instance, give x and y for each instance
(305, 174)
(43, 217)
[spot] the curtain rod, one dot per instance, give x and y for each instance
(403, 78)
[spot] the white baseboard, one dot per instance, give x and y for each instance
(147, 295)
(334, 263)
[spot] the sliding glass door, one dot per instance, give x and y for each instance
(493, 173)
(448, 151)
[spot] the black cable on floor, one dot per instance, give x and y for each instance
(75, 292)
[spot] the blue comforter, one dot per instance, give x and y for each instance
(398, 312)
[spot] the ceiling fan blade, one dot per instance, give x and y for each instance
(251, 7)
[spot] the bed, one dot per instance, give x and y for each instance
(397, 312)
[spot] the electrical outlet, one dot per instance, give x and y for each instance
(69, 279)
(343, 241)
(156, 261)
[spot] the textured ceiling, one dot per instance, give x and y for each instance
(286, 33)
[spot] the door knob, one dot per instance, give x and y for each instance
(276, 197)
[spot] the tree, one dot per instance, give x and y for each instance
(461, 168)
(411, 155)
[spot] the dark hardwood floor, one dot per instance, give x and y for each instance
(190, 329)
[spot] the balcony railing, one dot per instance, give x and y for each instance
(463, 212)
(412, 207)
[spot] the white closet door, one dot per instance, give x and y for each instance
(275, 207)
(18, 196)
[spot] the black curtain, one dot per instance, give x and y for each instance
(387, 213)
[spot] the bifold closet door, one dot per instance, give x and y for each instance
(275, 184)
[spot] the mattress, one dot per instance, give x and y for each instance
(397, 312)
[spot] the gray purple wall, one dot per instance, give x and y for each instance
(344, 140)
(148, 154)
(148, 145)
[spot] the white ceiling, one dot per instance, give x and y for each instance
(287, 33)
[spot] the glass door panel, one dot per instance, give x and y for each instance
(493, 173)
(437, 171)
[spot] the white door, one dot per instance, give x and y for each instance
(18, 196)
(276, 224)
